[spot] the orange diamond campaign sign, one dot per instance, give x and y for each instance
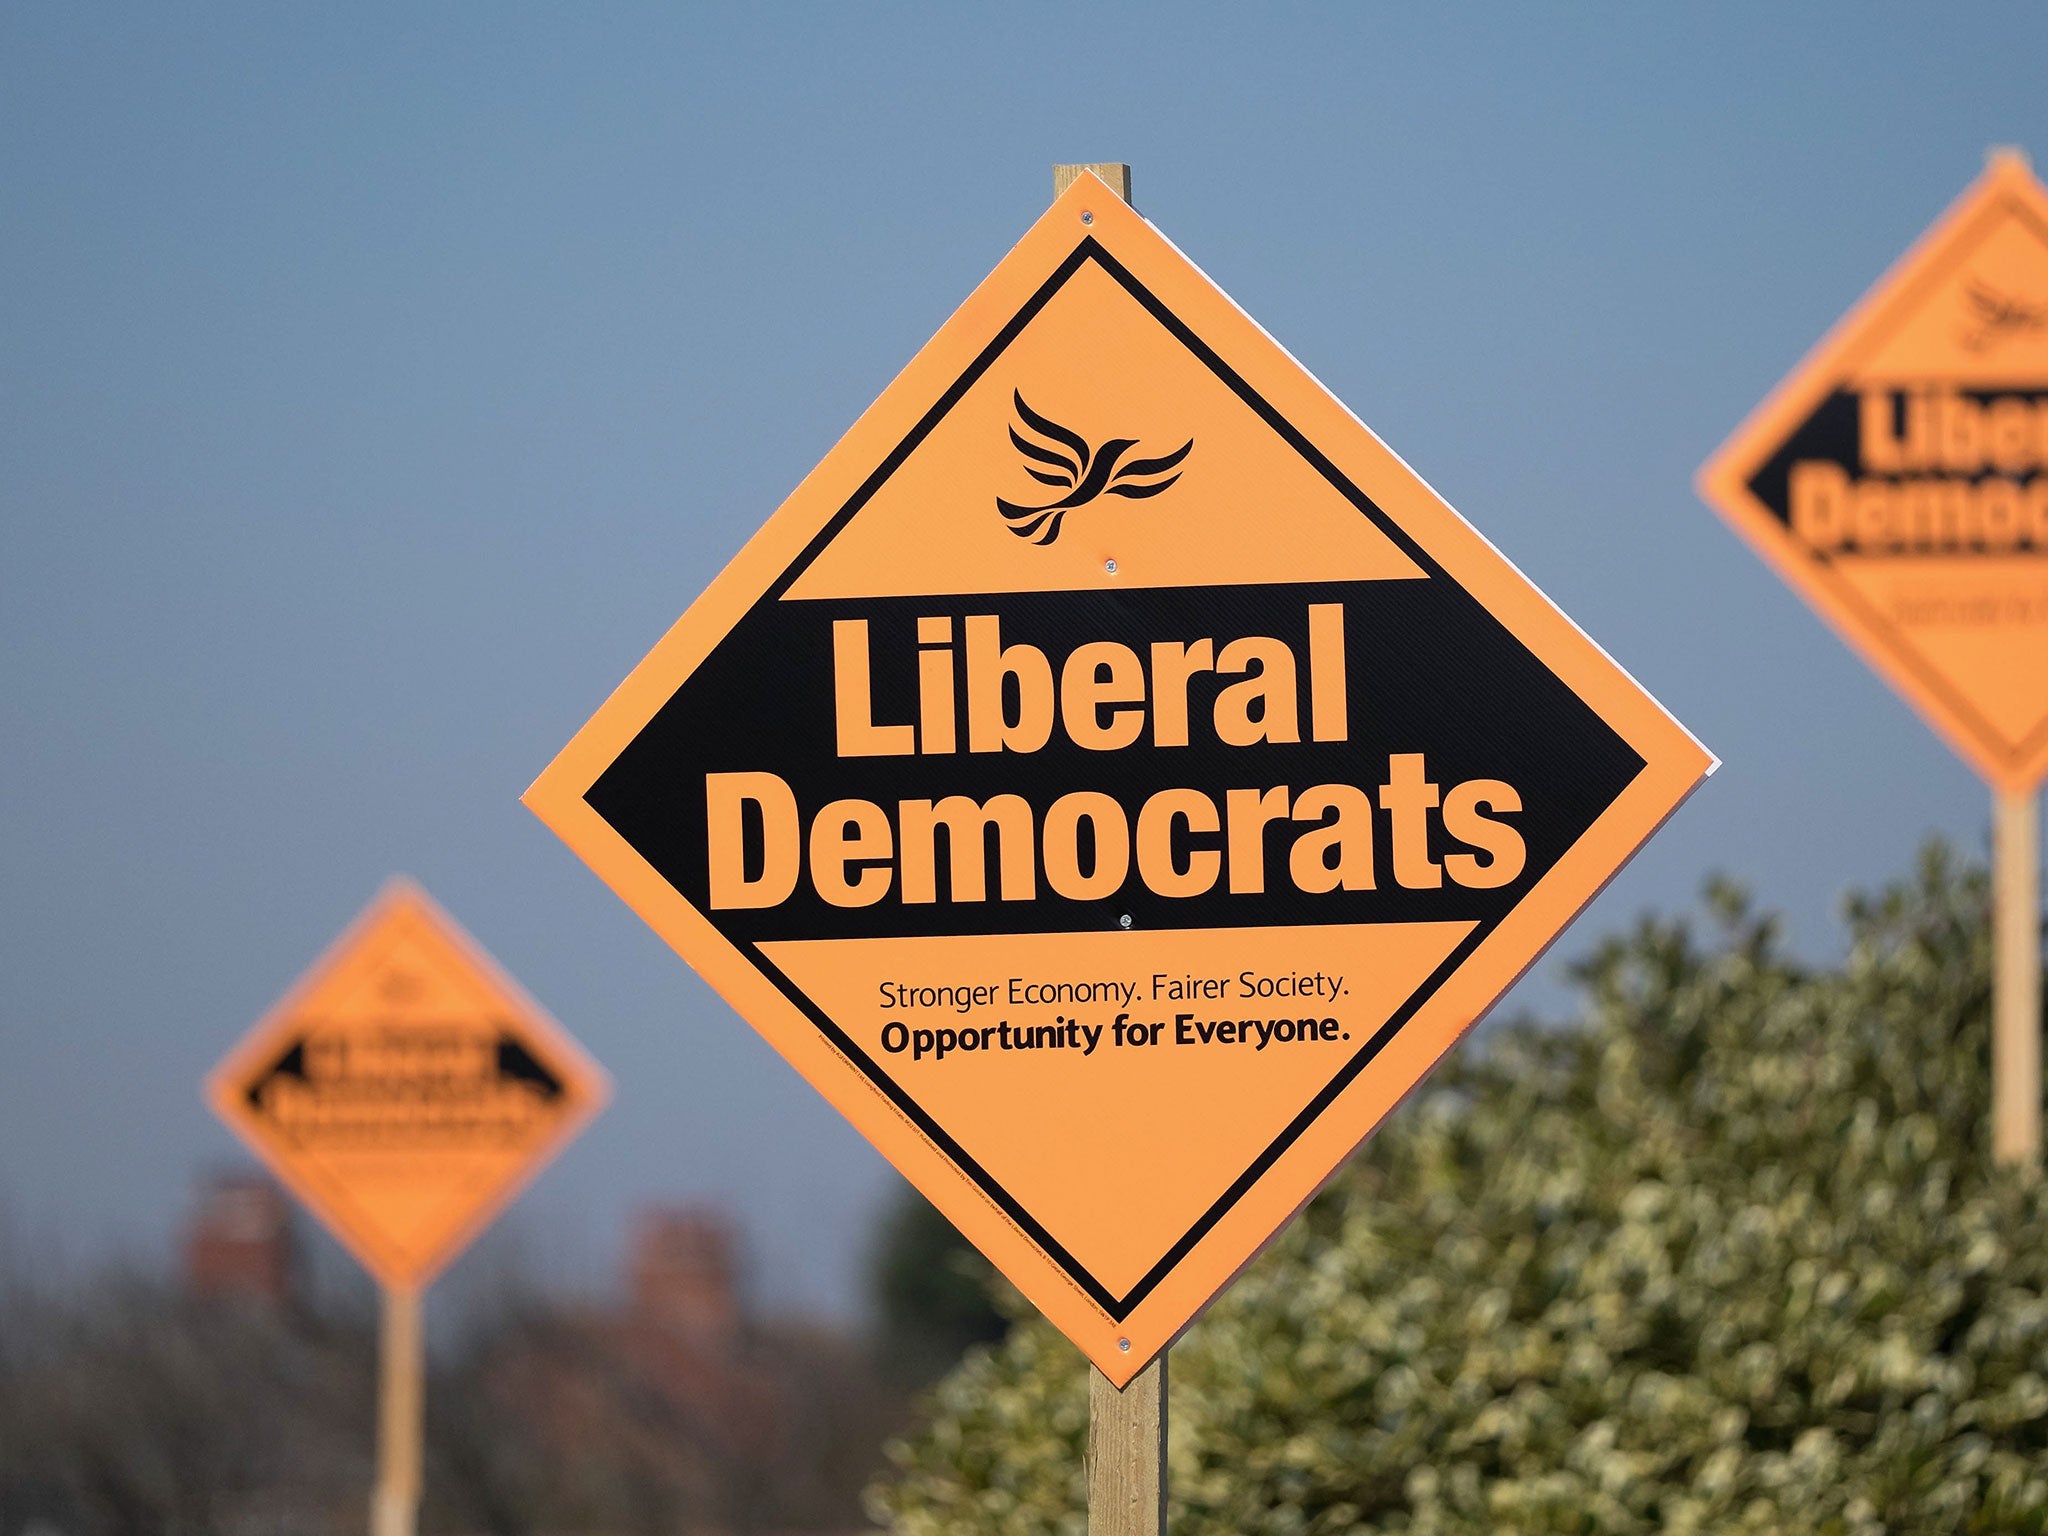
(1114, 779)
(406, 1088)
(1894, 478)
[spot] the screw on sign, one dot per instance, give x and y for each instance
(1114, 780)
(405, 1089)
(1894, 480)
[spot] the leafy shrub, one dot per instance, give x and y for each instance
(1727, 1254)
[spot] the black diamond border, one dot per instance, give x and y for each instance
(1117, 1307)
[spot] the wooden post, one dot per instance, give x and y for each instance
(2016, 979)
(1126, 1429)
(401, 1418)
(1127, 1453)
(1118, 177)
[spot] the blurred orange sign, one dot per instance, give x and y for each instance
(406, 1088)
(1895, 477)
(1114, 779)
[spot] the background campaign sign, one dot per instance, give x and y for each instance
(406, 1088)
(1114, 779)
(1894, 478)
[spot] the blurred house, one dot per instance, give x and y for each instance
(674, 1408)
(241, 1242)
(682, 1270)
(681, 1408)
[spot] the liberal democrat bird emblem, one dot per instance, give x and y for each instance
(1995, 316)
(1084, 473)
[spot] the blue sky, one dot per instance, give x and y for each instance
(376, 387)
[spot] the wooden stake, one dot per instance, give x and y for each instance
(1127, 1453)
(401, 1417)
(1118, 177)
(1127, 1429)
(2016, 980)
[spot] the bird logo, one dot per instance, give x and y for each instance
(1059, 456)
(1994, 316)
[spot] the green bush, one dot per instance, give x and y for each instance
(1726, 1255)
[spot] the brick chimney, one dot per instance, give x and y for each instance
(683, 1272)
(240, 1241)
